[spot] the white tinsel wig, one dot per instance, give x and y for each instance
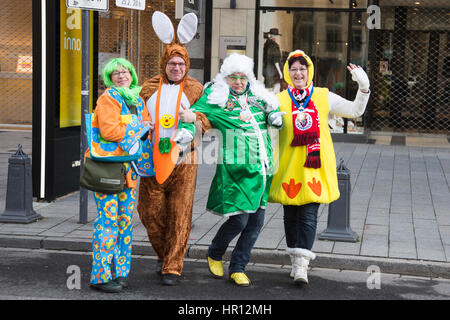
(239, 63)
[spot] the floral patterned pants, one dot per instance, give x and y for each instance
(112, 239)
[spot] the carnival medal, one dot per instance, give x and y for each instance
(245, 114)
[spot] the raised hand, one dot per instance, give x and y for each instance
(186, 115)
(360, 76)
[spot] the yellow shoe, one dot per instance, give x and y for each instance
(215, 267)
(240, 279)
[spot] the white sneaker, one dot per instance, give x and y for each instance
(292, 266)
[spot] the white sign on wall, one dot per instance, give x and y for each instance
(97, 5)
(131, 4)
(183, 7)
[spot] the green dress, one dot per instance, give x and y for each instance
(244, 165)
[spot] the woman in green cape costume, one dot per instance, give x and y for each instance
(240, 109)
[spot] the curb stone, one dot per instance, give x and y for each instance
(422, 268)
(27, 242)
(429, 269)
(54, 243)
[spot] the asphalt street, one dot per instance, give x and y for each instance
(43, 274)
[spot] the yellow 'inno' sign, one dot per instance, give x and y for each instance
(70, 66)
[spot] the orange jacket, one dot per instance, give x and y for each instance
(112, 129)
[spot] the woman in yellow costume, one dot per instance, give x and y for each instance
(306, 175)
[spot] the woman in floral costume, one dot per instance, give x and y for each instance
(112, 238)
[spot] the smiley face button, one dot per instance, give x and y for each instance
(167, 121)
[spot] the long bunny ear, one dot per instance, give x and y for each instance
(163, 27)
(187, 28)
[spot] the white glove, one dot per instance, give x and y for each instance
(186, 115)
(276, 118)
(183, 138)
(360, 76)
(134, 148)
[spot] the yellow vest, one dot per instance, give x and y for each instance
(292, 183)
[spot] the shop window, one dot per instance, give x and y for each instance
(357, 40)
(16, 62)
(410, 81)
(324, 35)
(315, 3)
(334, 42)
(333, 17)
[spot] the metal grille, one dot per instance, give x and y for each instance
(129, 33)
(16, 62)
(411, 69)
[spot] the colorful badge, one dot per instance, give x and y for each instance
(167, 121)
(164, 145)
(245, 115)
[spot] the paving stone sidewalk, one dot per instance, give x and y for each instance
(400, 209)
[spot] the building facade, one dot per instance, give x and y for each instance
(403, 45)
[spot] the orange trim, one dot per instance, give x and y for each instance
(296, 55)
(158, 99)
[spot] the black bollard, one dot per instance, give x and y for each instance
(338, 225)
(19, 192)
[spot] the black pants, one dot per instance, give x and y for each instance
(300, 224)
(248, 225)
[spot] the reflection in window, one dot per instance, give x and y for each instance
(333, 17)
(334, 42)
(305, 41)
(314, 3)
(356, 40)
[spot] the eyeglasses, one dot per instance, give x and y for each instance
(236, 79)
(174, 64)
(120, 74)
(297, 70)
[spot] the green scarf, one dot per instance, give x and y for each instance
(131, 95)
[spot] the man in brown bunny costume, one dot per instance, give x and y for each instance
(166, 200)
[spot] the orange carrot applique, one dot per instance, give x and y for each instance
(316, 187)
(292, 189)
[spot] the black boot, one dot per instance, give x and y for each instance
(109, 287)
(159, 264)
(123, 281)
(170, 279)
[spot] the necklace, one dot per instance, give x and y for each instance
(301, 108)
(245, 113)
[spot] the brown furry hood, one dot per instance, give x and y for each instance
(174, 44)
(170, 51)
